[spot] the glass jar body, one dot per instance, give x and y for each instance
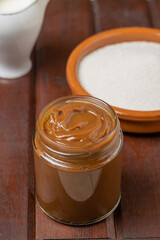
(78, 196)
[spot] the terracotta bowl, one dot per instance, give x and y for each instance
(131, 121)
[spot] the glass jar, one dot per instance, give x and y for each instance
(78, 186)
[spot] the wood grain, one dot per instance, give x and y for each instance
(66, 23)
(16, 185)
(154, 11)
(124, 13)
(140, 204)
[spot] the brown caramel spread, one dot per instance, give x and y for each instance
(78, 124)
(77, 160)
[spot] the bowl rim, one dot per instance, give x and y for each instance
(77, 88)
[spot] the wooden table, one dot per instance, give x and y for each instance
(67, 22)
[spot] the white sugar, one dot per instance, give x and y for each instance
(125, 75)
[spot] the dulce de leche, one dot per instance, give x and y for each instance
(77, 152)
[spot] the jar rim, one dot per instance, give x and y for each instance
(80, 98)
(83, 166)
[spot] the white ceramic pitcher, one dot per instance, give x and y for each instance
(18, 34)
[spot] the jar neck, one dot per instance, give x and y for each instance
(86, 158)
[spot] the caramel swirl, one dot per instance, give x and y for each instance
(78, 123)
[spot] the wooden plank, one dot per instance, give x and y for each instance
(66, 24)
(140, 204)
(154, 10)
(148, 238)
(124, 13)
(16, 161)
(111, 238)
(139, 212)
